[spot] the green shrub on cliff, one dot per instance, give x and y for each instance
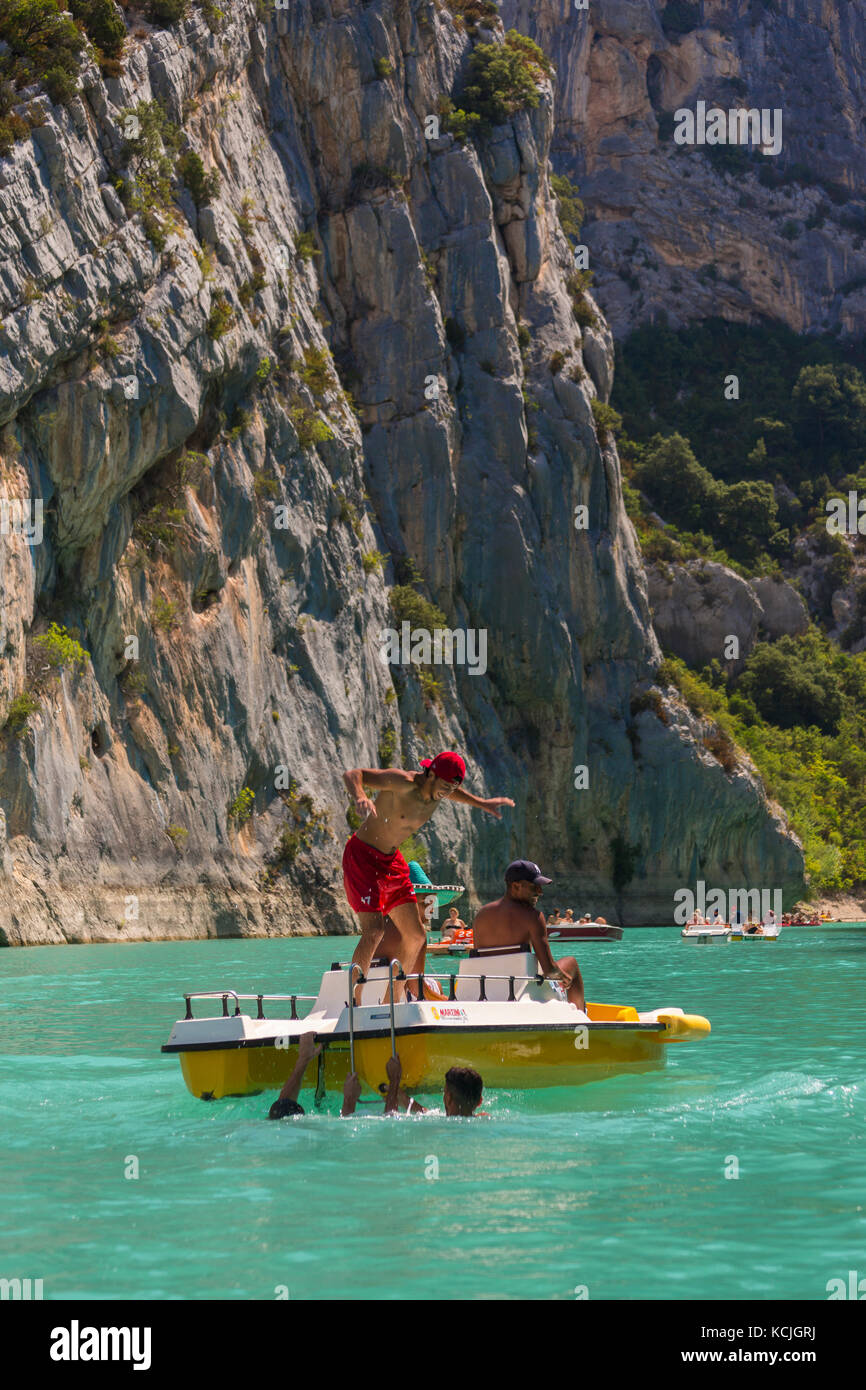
(44, 44)
(607, 420)
(152, 144)
(504, 78)
(412, 607)
(204, 187)
(569, 206)
(221, 317)
(104, 25)
(310, 428)
(304, 826)
(19, 712)
(61, 650)
(240, 809)
(166, 11)
(469, 14)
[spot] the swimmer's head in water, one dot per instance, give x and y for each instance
(463, 1088)
(282, 1109)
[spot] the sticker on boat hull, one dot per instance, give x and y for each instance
(445, 1015)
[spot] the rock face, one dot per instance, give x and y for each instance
(784, 612)
(669, 229)
(698, 607)
(704, 612)
(215, 506)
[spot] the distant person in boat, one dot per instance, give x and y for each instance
(286, 1103)
(569, 915)
(554, 918)
(375, 874)
(697, 920)
(462, 1094)
(716, 919)
(583, 920)
(514, 920)
(453, 926)
(754, 928)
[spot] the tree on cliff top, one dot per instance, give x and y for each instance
(44, 45)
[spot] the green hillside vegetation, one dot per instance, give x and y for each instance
(738, 481)
(812, 755)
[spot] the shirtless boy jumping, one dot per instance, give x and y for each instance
(375, 874)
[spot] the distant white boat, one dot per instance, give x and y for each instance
(706, 936)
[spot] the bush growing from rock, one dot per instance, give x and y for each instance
(61, 649)
(44, 45)
(504, 78)
(203, 186)
(166, 11)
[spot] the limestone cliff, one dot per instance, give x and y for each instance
(669, 228)
(215, 502)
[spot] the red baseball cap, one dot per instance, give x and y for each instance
(449, 766)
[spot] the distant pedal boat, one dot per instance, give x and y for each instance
(706, 936)
(501, 1018)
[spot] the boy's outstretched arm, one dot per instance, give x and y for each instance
(480, 803)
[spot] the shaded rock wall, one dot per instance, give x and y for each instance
(670, 231)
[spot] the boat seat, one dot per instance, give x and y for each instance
(505, 962)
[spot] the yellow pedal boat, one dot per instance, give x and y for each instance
(498, 1016)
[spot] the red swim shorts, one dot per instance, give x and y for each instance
(375, 882)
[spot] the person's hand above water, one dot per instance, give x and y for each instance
(308, 1048)
(351, 1092)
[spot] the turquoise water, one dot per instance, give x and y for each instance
(617, 1186)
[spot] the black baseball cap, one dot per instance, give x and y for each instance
(523, 870)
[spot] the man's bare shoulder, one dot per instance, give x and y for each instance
(489, 909)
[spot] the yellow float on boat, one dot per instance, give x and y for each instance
(500, 1017)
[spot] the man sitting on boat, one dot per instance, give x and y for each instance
(554, 919)
(513, 921)
(375, 874)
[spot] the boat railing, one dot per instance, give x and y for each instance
(399, 978)
(421, 976)
(226, 994)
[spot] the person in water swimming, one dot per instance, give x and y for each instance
(461, 1096)
(514, 920)
(375, 874)
(286, 1103)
